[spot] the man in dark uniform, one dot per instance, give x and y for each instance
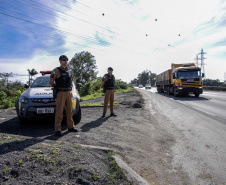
(63, 78)
(108, 83)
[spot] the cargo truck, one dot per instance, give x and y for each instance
(181, 79)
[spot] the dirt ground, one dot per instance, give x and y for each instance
(31, 154)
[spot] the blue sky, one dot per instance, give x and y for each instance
(129, 35)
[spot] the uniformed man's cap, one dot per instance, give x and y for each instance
(110, 68)
(63, 57)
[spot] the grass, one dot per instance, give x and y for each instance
(100, 94)
(116, 175)
(95, 176)
(96, 104)
(5, 137)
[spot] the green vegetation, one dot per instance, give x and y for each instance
(95, 176)
(5, 137)
(146, 77)
(9, 93)
(116, 175)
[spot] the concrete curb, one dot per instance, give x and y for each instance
(129, 172)
(131, 175)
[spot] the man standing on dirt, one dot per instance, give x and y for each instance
(63, 78)
(108, 83)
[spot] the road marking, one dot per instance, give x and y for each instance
(197, 108)
(205, 112)
(181, 102)
(2, 118)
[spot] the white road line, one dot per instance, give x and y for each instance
(196, 108)
(181, 102)
(2, 118)
(205, 112)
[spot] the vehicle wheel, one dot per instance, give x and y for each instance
(196, 95)
(174, 92)
(77, 117)
(158, 89)
(167, 90)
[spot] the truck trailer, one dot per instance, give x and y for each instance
(181, 79)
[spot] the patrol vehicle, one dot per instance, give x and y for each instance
(37, 101)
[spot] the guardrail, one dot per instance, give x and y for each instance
(214, 88)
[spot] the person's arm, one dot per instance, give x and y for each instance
(53, 77)
(103, 81)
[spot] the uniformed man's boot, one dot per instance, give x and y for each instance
(103, 115)
(113, 114)
(73, 130)
(58, 133)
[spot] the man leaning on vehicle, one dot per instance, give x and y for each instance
(63, 78)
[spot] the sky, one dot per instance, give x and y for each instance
(128, 35)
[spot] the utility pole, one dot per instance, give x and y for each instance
(202, 60)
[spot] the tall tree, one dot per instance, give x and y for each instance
(31, 73)
(83, 66)
(152, 78)
(143, 78)
(6, 76)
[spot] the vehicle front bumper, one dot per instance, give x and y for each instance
(190, 90)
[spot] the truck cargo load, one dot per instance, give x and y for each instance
(181, 79)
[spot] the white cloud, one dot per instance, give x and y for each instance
(131, 51)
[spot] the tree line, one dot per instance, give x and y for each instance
(83, 66)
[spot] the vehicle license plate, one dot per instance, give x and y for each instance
(45, 110)
(190, 92)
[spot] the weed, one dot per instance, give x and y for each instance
(95, 177)
(76, 158)
(21, 162)
(60, 162)
(115, 176)
(73, 170)
(91, 104)
(6, 170)
(5, 137)
(55, 151)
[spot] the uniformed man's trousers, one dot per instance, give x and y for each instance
(64, 98)
(109, 95)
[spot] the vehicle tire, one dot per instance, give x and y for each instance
(174, 92)
(158, 89)
(167, 90)
(77, 117)
(196, 95)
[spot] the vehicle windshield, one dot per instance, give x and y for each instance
(41, 82)
(189, 74)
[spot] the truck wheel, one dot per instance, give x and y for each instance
(158, 89)
(77, 117)
(168, 90)
(196, 95)
(174, 92)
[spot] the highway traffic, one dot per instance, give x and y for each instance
(211, 103)
(198, 125)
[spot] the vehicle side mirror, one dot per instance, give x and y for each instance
(203, 75)
(174, 77)
(26, 86)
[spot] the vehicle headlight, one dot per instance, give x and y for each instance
(200, 87)
(180, 88)
(24, 99)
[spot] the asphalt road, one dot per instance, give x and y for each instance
(212, 103)
(199, 126)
